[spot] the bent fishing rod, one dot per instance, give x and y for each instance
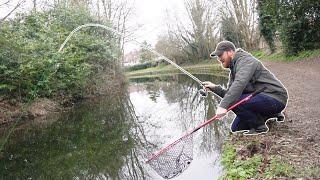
(202, 91)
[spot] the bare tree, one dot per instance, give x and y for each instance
(80, 3)
(193, 37)
(118, 14)
(34, 5)
(19, 3)
(5, 3)
(242, 16)
(201, 34)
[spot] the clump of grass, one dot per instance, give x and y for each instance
(277, 168)
(238, 166)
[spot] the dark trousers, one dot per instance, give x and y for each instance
(255, 112)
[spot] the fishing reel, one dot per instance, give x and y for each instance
(203, 92)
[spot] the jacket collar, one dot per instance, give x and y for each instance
(235, 58)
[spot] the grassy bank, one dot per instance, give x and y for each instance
(258, 157)
(203, 68)
(279, 56)
(252, 160)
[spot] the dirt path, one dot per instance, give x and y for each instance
(297, 140)
(302, 80)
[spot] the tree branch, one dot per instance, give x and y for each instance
(5, 3)
(16, 7)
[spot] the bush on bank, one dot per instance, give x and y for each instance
(31, 66)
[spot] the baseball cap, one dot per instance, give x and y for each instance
(221, 47)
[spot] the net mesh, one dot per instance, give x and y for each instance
(174, 160)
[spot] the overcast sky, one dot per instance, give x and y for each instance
(149, 14)
(152, 15)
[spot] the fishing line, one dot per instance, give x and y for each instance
(131, 39)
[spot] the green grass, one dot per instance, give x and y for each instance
(203, 68)
(279, 56)
(152, 69)
(277, 168)
(237, 167)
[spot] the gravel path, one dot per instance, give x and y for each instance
(297, 140)
(302, 80)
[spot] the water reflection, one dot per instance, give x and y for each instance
(95, 140)
(111, 137)
(176, 109)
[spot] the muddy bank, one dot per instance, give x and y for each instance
(12, 110)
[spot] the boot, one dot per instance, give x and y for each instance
(280, 117)
(258, 130)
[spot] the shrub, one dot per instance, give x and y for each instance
(30, 65)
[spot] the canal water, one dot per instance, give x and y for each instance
(111, 137)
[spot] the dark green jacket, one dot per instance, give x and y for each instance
(248, 74)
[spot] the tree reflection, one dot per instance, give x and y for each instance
(98, 139)
(194, 109)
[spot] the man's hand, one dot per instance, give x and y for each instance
(209, 85)
(221, 112)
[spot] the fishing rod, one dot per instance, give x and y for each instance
(202, 91)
